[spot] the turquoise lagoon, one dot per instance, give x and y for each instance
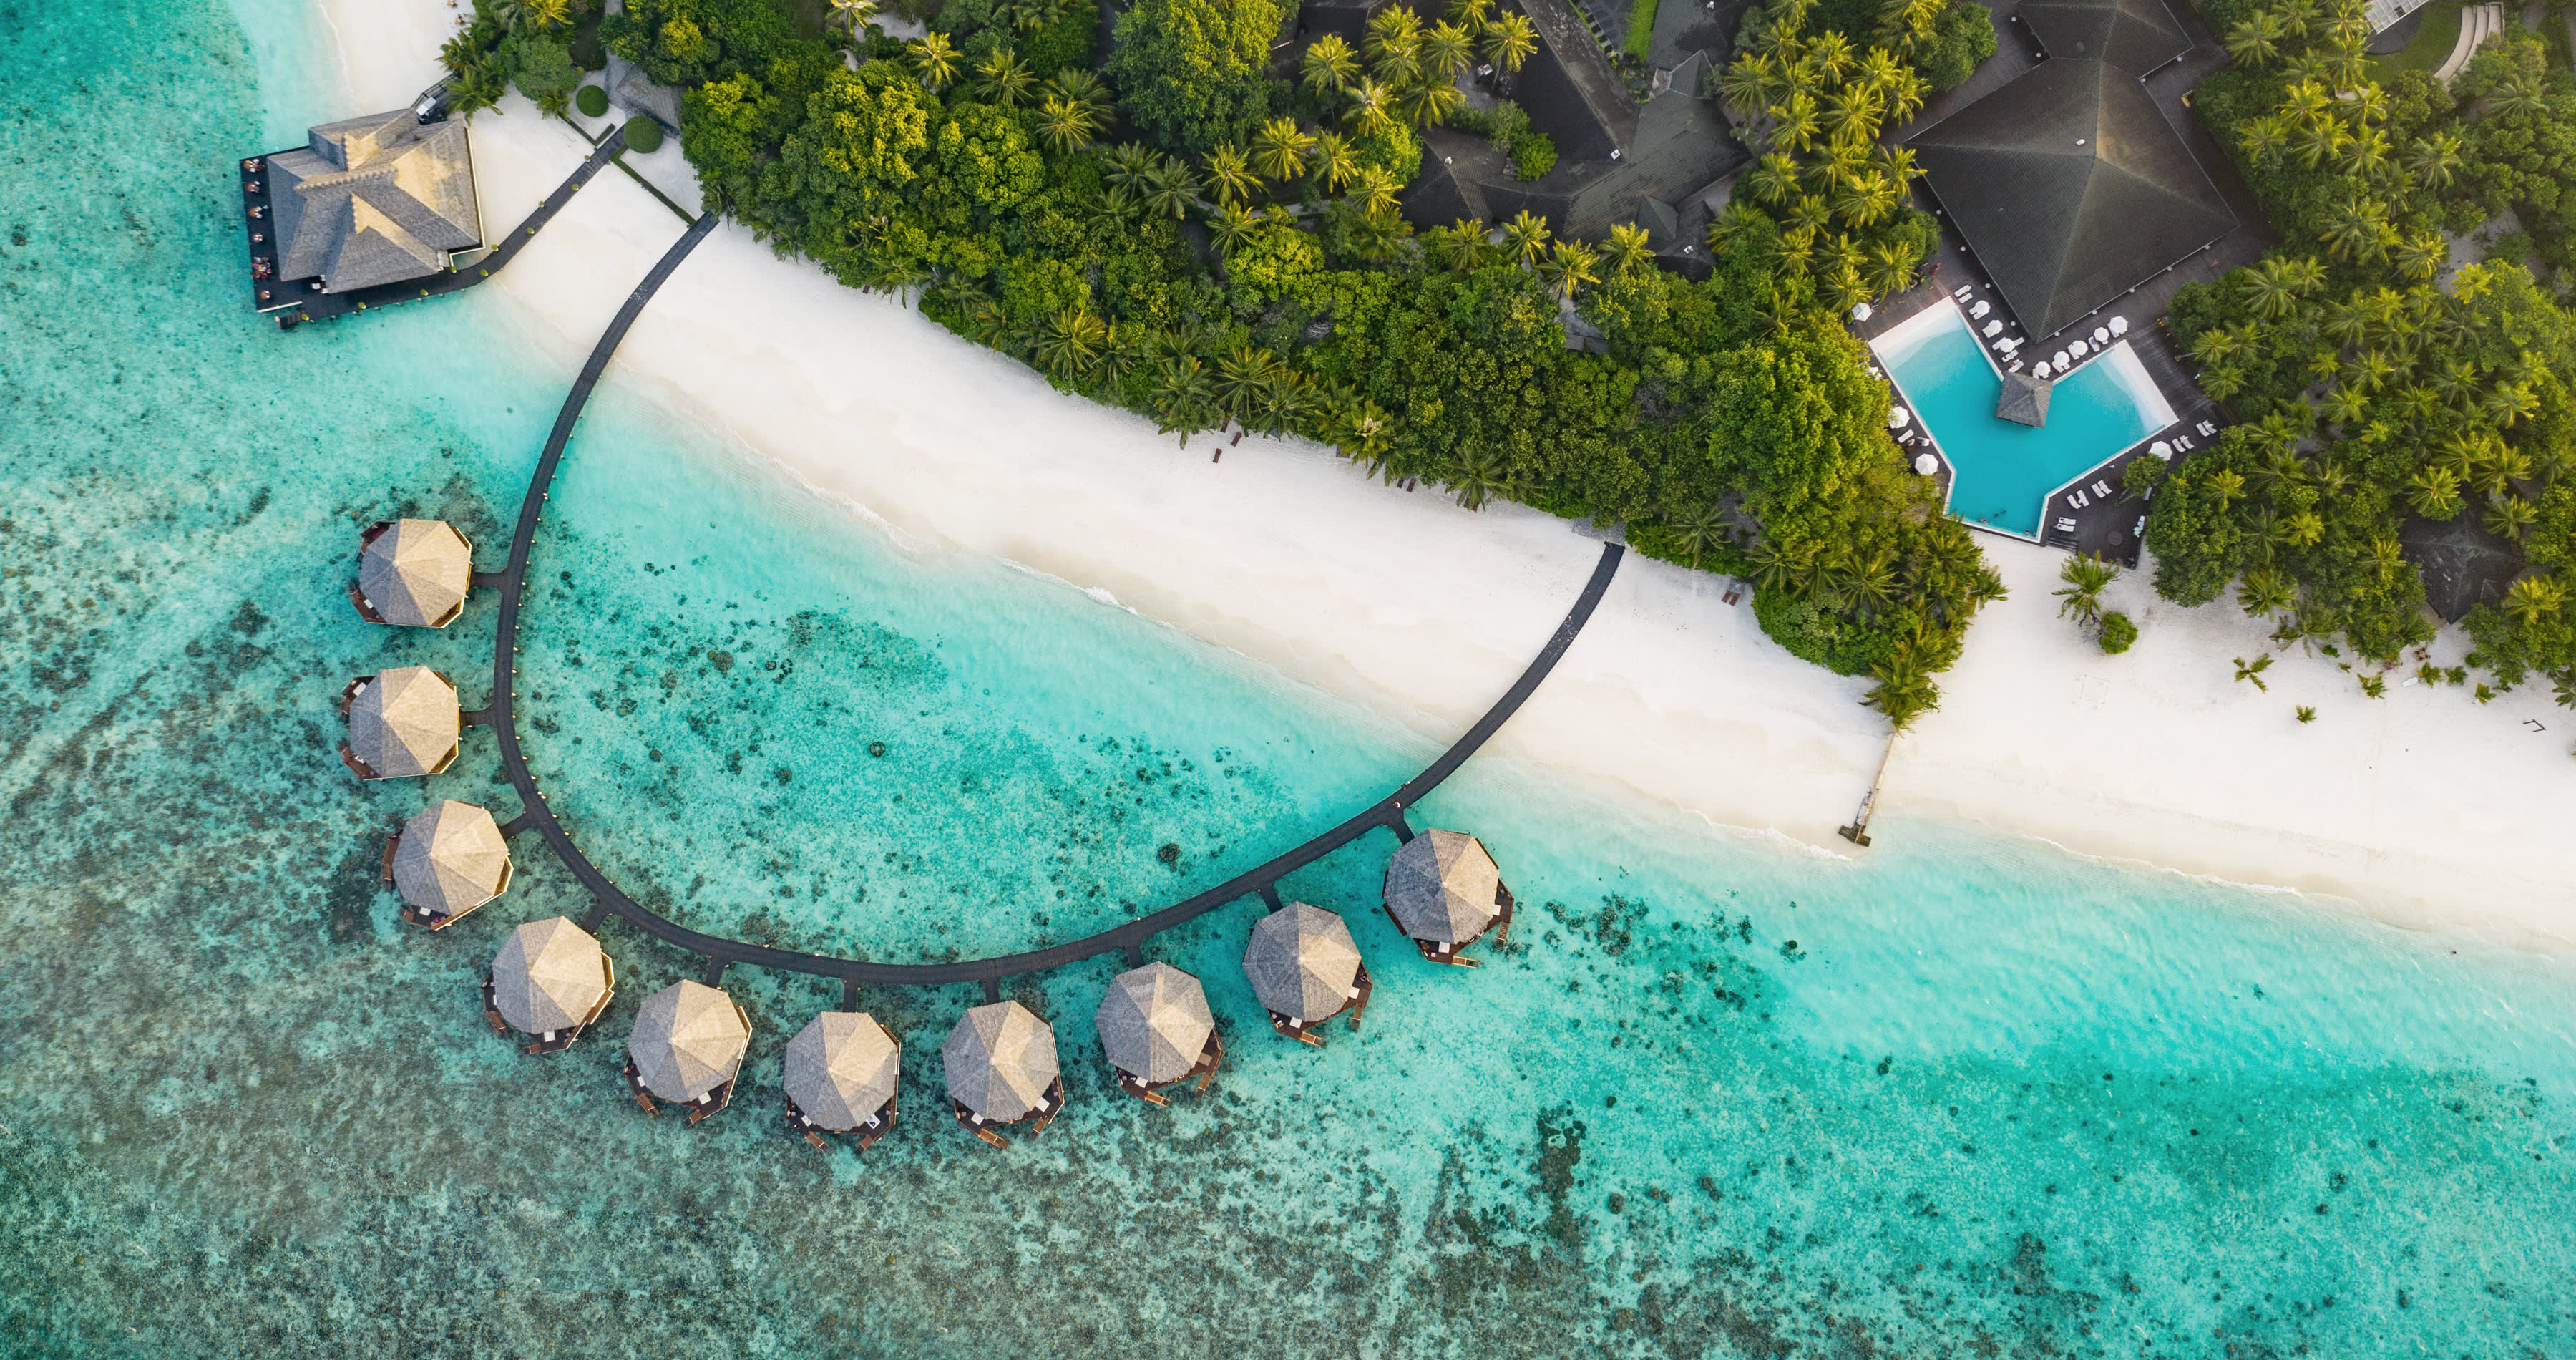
(2002, 473)
(1966, 1096)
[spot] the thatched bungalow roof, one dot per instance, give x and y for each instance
(1441, 887)
(689, 1039)
(1302, 962)
(1000, 1060)
(549, 976)
(451, 859)
(841, 1069)
(1154, 1023)
(415, 572)
(2024, 400)
(403, 722)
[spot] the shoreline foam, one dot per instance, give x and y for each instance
(2423, 811)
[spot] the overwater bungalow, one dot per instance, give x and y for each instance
(413, 573)
(1155, 1029)
(688, 1043)
(1306, 969)
(1001, 1069)
(841, 1071)
(446, 862)
(550, 981)
(403, 723)
(1444, 892)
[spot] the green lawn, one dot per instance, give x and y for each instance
(1641, 28)
(2431, 47)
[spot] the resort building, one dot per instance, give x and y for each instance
(841, 1074)
(1001, 1068)
(688, 1043)
(550, 981)
(412, 572)
(446, 862)
(1444, 892)
(1305, 968)
(2069, 184)
(403, 723)
(1155, 1029)
(370, 201)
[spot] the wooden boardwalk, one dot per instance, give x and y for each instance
(1127, 939)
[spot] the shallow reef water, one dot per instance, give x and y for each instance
(1963, 1097)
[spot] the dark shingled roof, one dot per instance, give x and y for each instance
(2071, 188)
(2024, 400)
(2137, 36)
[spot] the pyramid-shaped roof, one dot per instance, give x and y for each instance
(1302, 962)
(2024, 400)
(2071, 188)
(374, 200)
(403, 722)
(841, 1069)
(1441, 885)
(2135, 36)
(689, 1039)
(415, 572)
(549, 975)
(1000, 1060)
(451, 859)
(1154, 1023)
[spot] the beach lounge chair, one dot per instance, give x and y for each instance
(1964, 289)
(2078, 500)
(2102, 489)
(2065, 526)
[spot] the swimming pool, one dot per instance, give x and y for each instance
(2001, 473)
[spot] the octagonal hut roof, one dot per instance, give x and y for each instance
(689, 1039)
(549, 976)
(415, 572)
(1441, 886)
(403, 722)
(1154, 1023)
(451, 859)
(1302, 961)
(841, 1069)
(1000, 1060)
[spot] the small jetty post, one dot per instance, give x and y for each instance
(1858, 832)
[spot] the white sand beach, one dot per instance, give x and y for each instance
(2423, 808)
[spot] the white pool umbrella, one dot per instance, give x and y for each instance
(2059, 359)
(1994, 328)
(2040, 369)
(2076, 347)
(1926, 464)
(1898, 417)
(2161, 449)
(1981, 308)
(1861, 311)
(2119, 325)
(2101, 335)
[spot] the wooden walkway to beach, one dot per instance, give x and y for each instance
(1127, 939)
(331, 306)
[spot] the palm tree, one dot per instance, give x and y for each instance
(1834, 56)
(1432, 102)
(1279, 149)
(1169, 189)
(1071, 342)
(1794, 122)
(1083, 88)
(1372, 109)
(1393, 28)
(2510, 516)
(2534, 598)
(1330, 65)
(1853, 114)
(1694, 533)
(1772, 178)
(1628, 250)
(1377, 236)
(1184, 398)
(2353, 229)
(1375, 192)
(1243, 379)
(2256, 41)
(1890, 269)
(1446, 52)
(2272, 286)
(1232, 229)
(2081, 596)
(2264, 136)
(1231, 175)
(2254, 669)
(1460, 247)
(2265, 593)
(1524, 237)
(1482, 476)
(1746, 84)
(849, 16)
(2432, 160)
(1509, 41)
(1569, 265)
(1063, 127)
(934, 59)
(1335, 163)
(1004, 79)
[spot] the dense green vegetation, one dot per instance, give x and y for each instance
(541, 46)
(1244, 264)
(2368, 391)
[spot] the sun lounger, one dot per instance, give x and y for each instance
(2065, 526)
(2102, 489)
(2078, 501)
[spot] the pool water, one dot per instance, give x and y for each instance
(2003, 473)
(1963, 1096)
